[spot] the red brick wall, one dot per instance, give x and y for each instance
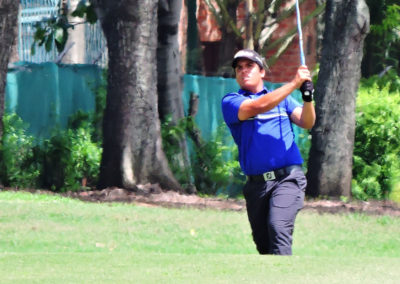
(285, 68)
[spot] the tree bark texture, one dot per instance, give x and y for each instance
(132, 147)
(168, 60)
(229, 44)
(169, 80)
(330, 159)
(320, 29)
(8, 35)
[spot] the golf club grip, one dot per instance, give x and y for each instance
(308, 85)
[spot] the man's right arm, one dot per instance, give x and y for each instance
(250, 108)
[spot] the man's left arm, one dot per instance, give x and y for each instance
(304, 117)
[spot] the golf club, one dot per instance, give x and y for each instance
(307, 88)
(300, 33)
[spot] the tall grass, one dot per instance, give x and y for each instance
(50, 239)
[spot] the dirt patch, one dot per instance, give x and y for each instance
(153, 195)
(381, 207)
(158, 198)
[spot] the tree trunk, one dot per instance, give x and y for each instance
(168, 60)
(193, 61)
(330, 159)
(229, 45)
(169, 77)
(8, 35)
(132, 148)
(320, 29)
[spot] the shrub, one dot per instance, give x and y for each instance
(172, 135)
(377, 142)
(17, 165)
(70, 158)
(214, 167)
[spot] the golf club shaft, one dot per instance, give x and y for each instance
(300, 33)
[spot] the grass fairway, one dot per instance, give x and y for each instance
(48, 239)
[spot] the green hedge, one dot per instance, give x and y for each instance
(376, 170)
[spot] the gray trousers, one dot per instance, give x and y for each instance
(272, 207)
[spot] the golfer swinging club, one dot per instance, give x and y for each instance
(260, 123)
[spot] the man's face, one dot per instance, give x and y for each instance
(248, 74)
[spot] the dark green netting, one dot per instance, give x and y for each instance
(45, 95)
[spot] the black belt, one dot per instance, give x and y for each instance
(276, 174)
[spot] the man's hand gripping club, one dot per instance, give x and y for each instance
(307, 87)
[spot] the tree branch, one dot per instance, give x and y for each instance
(293, 31)
(260, 19)
(227, 18)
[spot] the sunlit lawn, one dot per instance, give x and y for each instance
(48, 239)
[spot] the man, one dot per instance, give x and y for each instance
(260, 123)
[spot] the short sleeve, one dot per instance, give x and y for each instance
(230, 107)
(291, 104)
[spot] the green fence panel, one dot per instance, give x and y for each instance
(210, 91)
(45, 95)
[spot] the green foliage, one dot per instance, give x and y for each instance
(390, 81)
(395, 193)
(215, 165)
(52, 31)
(17, 166)
(390, 25)
(304, 144)
(376, 168)
(70, 158)
(85, 10)
(382, 44)
(55, 29)
(172, 135)
(100, 105)
(212, 166)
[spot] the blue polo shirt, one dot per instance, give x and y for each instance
(266, 141)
